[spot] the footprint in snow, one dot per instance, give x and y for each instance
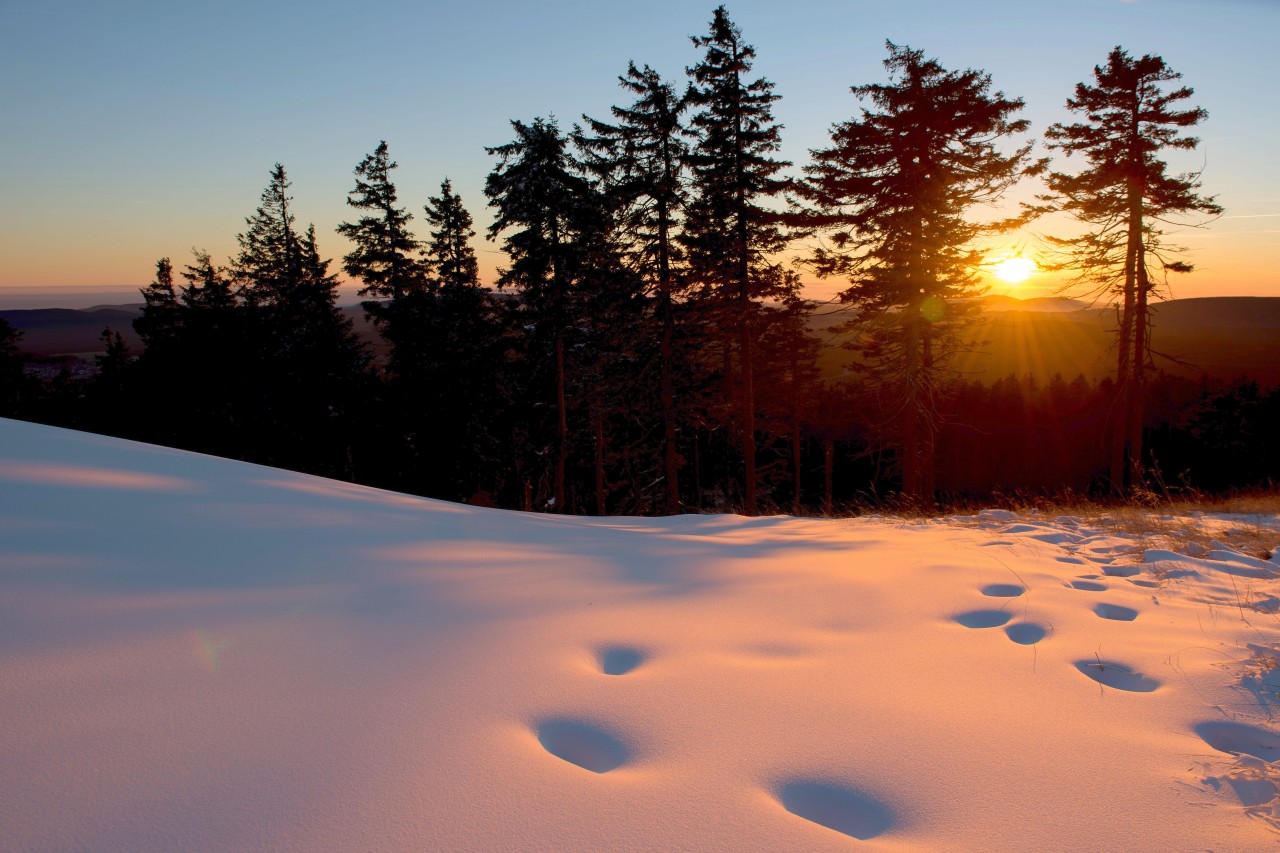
(1026, 633)
(1003, 590)
(1117, 675)
(582, 743)
(619, 660)
(836, 806)
(1124, 570)
(1116, 612)
(1089, 586)
(1240, 739)
(983, 618)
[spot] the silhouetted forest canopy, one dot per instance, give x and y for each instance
(648, 349)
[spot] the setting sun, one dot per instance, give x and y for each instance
(1015, 269)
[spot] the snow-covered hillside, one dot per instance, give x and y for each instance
(197, 654)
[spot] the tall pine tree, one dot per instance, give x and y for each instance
(730, 231)
(312, 366)
(464, 339)
(384, 251)
(1124, 196)
(896, 195)
(639, 160)
(548, 211)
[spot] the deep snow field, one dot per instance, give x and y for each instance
(198, 654)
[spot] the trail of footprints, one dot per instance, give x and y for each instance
(853, 812)
(592, 747)
(1023, 633)
(1249, 780)
(1027, 633)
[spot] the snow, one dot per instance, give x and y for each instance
(198, 654)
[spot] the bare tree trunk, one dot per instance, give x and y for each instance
(1137, 388)
(671, 462)
(910, 416)
(697, 469)
(1121, 449)
(1120, 408)
(795, 434)
(562, 425)
(748, 412)
(732, 406)
(928, 433)
(597, 423)
(828, 465)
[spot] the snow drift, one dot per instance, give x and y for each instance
(198, 654)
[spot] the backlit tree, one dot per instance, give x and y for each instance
(1125, 196)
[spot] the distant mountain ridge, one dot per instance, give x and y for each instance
(1055, 304)
(1224, 336)
(64, 331)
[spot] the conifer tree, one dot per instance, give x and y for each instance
(208, 286)
(311, 365)
(12, 379)
(112, 364)
(549, 213)
(282, 273)
(165, 357)
(448, 253)
(1125, 195)
(639, 159)
(215, 361)
(383, 255)
(464, 339)
(160, 322)
(729, 230)
(268, 266)
(895, 195)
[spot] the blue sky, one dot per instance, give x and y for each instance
(139, 129)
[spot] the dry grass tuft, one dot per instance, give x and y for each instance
(1247, 523)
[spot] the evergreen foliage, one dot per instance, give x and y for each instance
(12, 380)
(639, 162)
(730, 232)
(448, 254)
(552, 217)
(383, 255)
(649, 352)
(457, 330)
(160, 323)
(895, 196)
(1125, 196)
(311, 367)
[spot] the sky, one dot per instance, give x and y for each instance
(135, 130)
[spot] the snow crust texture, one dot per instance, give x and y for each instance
(198, 654)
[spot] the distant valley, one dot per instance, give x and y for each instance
(1221, 336)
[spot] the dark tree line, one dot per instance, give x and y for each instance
(647, 349)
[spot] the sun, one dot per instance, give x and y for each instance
(1014, 269)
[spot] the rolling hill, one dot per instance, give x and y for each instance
(1224, 336)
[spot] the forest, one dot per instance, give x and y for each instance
(647, 348)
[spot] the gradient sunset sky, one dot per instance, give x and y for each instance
(136, 129)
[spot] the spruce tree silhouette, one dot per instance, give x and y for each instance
(730, 232)
(466, 350)
(1126, 196)
(639, 160)
(312, 366)
(549, 212)
(895, 196)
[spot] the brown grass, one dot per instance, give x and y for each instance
(1153, 520)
